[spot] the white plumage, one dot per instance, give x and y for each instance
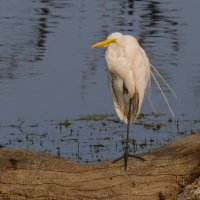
(129, 74)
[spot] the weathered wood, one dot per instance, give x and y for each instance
(31, 175)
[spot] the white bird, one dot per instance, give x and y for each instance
(129, 75)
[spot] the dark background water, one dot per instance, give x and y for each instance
(49, 73)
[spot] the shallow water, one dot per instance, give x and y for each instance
(49, 73)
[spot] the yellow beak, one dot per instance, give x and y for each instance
(103, 43)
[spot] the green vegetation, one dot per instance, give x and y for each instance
(152, 126)
(143, 115)
(92, 118)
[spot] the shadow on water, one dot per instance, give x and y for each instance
(49, 72)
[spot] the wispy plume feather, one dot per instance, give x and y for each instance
(161, 90)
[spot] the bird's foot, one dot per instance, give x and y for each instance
(125, 156)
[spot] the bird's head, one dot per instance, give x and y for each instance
(114, 38)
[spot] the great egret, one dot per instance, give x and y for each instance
(129, 75)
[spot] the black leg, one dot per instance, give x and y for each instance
(126, 153)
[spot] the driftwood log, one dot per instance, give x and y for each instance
(31, 175)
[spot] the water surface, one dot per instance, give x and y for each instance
(49, 73)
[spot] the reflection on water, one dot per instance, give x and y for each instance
(49, 72)
(25, 27)
(158, 23)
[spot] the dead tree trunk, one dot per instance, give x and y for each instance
(31, 175)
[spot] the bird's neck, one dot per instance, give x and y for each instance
(115, 51)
